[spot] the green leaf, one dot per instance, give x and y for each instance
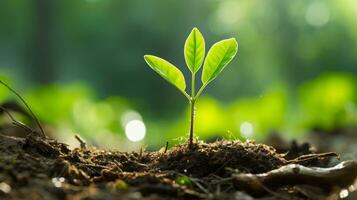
(220, 54)
(194, 50)
(167, 71)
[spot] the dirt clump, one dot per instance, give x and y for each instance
(214, 158)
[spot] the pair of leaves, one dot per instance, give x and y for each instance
(219, 55)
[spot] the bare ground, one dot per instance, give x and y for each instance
(42, 168)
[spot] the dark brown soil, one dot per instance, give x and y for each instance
(36, 168)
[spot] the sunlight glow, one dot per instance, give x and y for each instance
(246, 129)
(317, 14)
(229, 13)
(135, 130)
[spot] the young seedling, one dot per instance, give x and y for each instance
(219, 55)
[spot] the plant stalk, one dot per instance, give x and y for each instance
(192, 120)
(192, 110)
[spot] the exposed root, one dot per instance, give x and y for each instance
(341, 175)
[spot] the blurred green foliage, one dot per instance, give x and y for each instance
(4, 92)
(296, 69)
(55, 103)
(329, 101)
(265, 113)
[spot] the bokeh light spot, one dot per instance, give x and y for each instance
(317, 14)
(135, 130)
(247, 129)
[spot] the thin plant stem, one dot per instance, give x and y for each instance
(186, 95)
(200, 90)
(27, 106)
(192, 110)
(192, 113)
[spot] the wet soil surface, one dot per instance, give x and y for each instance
(38, 168)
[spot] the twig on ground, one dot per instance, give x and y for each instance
(141, 152)
(313, 156)
(81, 142)
(166, 147)
(341, 175)
(196, 182)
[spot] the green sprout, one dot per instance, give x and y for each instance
(219, 55)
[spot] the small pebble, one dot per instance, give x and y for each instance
(353, 187)
(344, 193)
(5, 188)
(57, 182)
